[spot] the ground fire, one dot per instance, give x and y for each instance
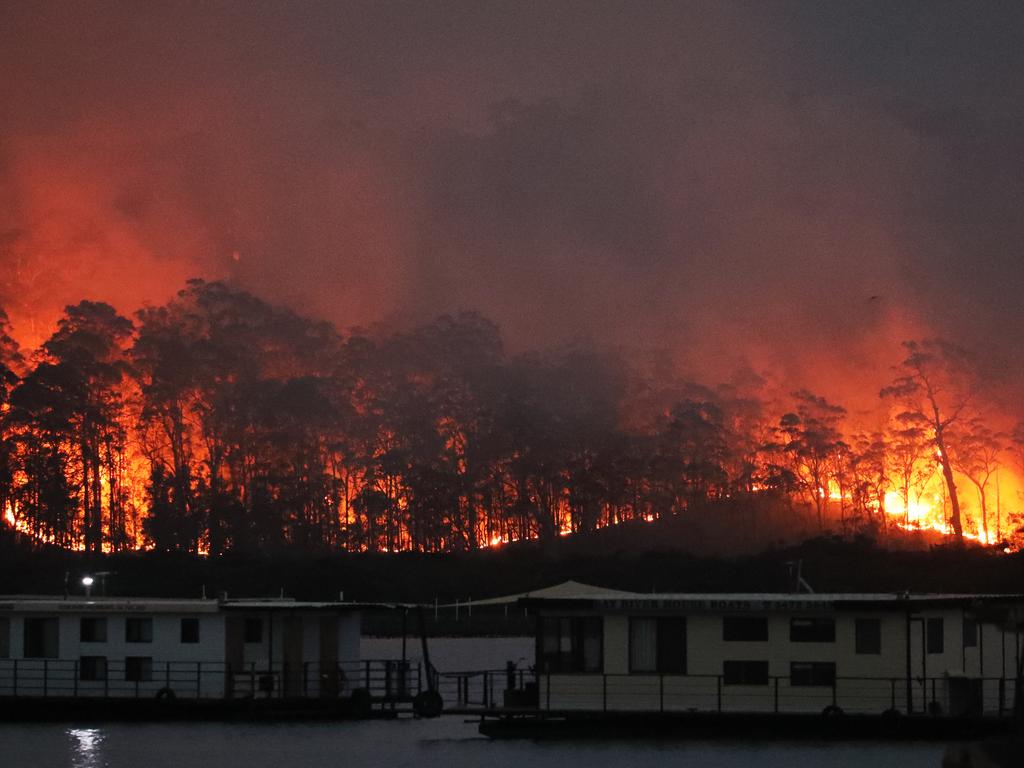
(218, 422)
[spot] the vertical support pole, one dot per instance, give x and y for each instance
(76, 677)
(893, 693)
(167, 674)
(835, 685)
(1002, 695)
(661, 692)
(604, 692)
(718, 683)
(776, 695)
(366, 676)
(305, 679)
(15, 681)
(46, 677)
(548, 676)
(199, 679)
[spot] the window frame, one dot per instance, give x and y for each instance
(579, 630)
(814, 678)
(667, 659)
(860, 645)
(145, 626)
(138, 669)
(97, 623)
(87, 673)
(812, 629)
(735, 629)
(42, 622)
(745, 665)
(186, 638)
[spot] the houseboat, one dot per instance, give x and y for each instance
(227, 654)
(894, 657)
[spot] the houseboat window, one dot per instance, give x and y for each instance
(812, 673)
(138, 630)
(190, 630)
(254, 630)
(868, 636)
(138, 669)
(5, 638)
(571, 644)
(41, 638)
(745, 672)
(749, 629)
(812, 630)
(92, 629)
(935, 639)
(970, 632)
(92, 668)
(657, 645)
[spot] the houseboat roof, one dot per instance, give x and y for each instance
(612, 600)
(80, 604)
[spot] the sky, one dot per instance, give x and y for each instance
(789, 188)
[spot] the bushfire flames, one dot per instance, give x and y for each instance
(217, 423)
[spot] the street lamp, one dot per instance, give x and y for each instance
(87, 582)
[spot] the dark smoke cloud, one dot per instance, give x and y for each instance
(792, 186)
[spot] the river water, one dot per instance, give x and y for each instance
(447, 742)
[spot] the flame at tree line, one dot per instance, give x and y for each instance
(218, 422)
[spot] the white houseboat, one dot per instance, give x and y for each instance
(82, 648)
(894, 654)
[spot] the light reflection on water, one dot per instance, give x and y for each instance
(86, 747)
(448, 742)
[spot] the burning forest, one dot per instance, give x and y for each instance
(218, 422)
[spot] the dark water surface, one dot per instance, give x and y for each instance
(448, 741)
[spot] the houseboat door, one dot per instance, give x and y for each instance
(329, 674)
(918, 671)
(234, 650)
(294, 670)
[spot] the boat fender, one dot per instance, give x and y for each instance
(427, 704)
(832, 711)
(165, 694)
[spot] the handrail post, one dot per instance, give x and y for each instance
(1002, 695)
(718, 682)
(661, 692)
(199, 679)
(835, 685)
(548, 676)
(893, 692)
(15, 681)
(305, 679)
(46, 678)
(75, 672)
(776, 695)
(604, 692)
(167, 675)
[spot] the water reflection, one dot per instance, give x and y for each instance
(86, 747)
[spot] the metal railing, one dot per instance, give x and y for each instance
(382, 679)
(713, 693)
(660, 693)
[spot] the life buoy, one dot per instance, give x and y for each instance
(427, 704)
